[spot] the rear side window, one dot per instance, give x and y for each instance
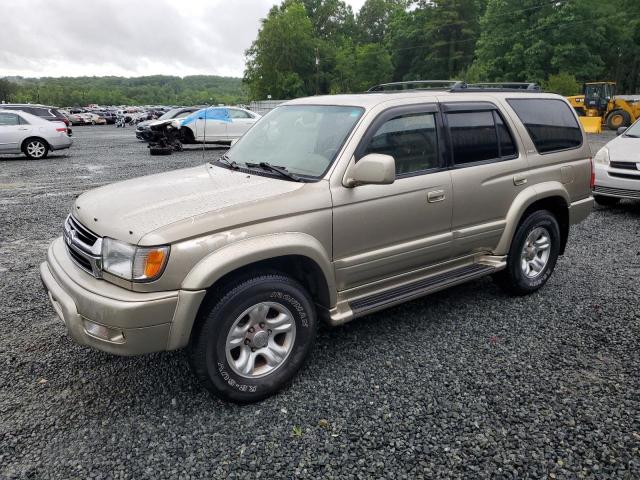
(479, 136)
(550, 123)
(410, 139)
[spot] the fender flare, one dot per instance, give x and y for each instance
(522, 202)
(245, 252)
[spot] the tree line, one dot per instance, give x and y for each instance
(307, 47)
(150, 90)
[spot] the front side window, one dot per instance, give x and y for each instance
(8, 119)
(412, 140)
(551, 123)
(304, 139)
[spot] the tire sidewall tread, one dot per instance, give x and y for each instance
(207, 354)
(512, 278)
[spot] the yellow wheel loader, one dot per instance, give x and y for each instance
(598, 106)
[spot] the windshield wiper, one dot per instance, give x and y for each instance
(630, 135)
(231, 163)
(274, 168)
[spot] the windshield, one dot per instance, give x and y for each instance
(304, 139)
(633, 130)
(170, 114)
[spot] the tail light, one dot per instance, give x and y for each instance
(592, 182)
(61, 129)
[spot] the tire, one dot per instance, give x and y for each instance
(606, 201)
(273, 300)
(618, 118)
(526, 247)
(160, 151)
(35, 148)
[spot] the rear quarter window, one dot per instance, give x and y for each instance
(551, 123)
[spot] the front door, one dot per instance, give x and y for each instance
(384, 230)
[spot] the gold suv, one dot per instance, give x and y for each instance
(327, 208)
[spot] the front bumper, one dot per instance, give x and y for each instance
(614, 186)
(145, 322)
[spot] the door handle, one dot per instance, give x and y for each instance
(519, 180)
(436, 196)
(23, 128)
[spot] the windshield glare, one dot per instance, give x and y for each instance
(304, 139)
(170, 114)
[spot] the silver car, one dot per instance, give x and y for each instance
(617, 167)
(31, 135)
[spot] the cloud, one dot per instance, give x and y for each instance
(129, 38)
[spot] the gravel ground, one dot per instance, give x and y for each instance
(465, 383)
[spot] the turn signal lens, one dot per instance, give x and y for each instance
(149, 262)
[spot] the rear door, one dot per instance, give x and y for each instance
(487, 168)
(12, 132)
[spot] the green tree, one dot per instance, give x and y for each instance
(436, 40)
(374, 17)
(281, 61)
(562, 84)
(7, 89)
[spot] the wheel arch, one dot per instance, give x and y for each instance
(296, 254)
(23, 145)
(550, 196)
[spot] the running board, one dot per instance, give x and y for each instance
(378, 301)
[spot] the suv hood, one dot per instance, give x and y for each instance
(131, 209)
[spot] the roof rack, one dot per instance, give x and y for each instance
(505, 86)
(456, 86)
(417, 85)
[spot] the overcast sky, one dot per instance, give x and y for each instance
(128, 37)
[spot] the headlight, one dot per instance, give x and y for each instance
(602, 157)
(133, 263)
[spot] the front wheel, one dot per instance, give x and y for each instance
(533, 254)
(36, 149)
(253, 337)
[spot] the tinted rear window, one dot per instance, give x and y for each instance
(550, 123)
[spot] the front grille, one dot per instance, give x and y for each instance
(625, 165)
(85, 235)
(84, 246)
(628, 176)
(617, 192)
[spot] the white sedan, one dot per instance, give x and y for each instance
(31, 135)
(216, 124)
(617, 167)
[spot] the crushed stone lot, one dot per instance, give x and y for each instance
(466, 383)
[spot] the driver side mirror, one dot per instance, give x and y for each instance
(621, 130)
(372, 169)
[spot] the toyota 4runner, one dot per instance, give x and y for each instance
(328, 208)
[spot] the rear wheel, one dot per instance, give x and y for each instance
(606, 201)
(35, 148)
(533, 254)
(617, 119)
(253, 337)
